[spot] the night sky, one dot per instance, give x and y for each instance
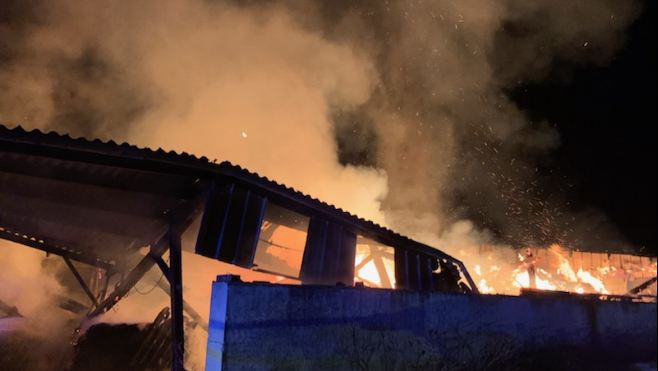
(607, 120)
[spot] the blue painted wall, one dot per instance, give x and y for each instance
(279, 327)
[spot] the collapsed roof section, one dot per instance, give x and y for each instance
(100, 202)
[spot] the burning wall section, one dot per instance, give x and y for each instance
(496, 270)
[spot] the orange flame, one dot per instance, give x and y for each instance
(554, 270)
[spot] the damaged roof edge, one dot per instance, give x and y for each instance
(125, 155)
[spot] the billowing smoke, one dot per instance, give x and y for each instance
(35, 331)
(238, 84)
(398, 111)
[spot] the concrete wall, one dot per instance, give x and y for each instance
(279, 327)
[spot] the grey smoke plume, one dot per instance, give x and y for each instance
(394, 110)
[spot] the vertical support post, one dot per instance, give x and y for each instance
(464, 272)
(176, 287)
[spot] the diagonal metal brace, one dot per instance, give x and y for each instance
(132, 278)
(162, 265)
(81, 281)
(636, 290)
(166, 287)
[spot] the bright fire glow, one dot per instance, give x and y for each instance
(522, 279)
(565, 269)
(593, 281)
(368, 273)
(562, 270)
(287, 244)
(482, 285)
(374, 265)
(499, 272)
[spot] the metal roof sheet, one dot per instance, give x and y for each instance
(104, 193)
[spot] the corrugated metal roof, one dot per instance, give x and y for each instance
(156, 180)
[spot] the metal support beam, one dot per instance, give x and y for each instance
(81, 281)
(62, 249)
(176, 275)
(106, 283)
(363, 262)
(163, 266)
(131, 279)
(166, 287)
(636, 290)
(383, 275)
(381, 269)
(179, 221)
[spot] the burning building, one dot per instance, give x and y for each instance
(113, 215)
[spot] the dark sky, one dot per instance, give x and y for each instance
(607, 119)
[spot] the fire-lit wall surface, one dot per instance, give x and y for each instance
(286, 327)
